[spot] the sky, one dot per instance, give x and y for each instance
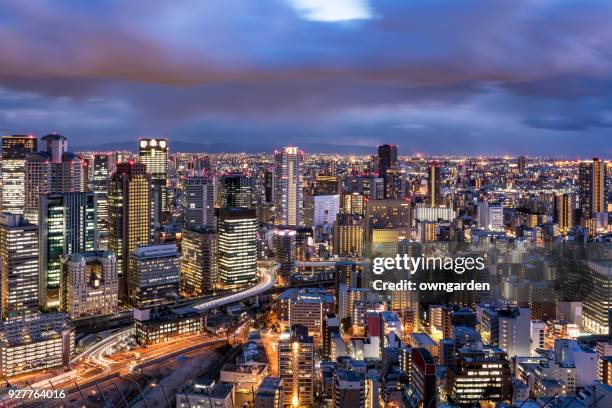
(433, 76)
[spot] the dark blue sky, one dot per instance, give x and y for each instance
(483, 77)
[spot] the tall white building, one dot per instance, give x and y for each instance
(54, 170)
(288, 188)
(90, 284)
(154, 154)
(12, 171)
(18, 266)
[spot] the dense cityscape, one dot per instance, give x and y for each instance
(150, 277)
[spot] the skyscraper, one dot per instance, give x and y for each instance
(433, 185)
(18, 266)
(199, 260)
(12, 169)
(99, 185)
(153, 274)
(199, 202)
(564, 211)
(154, 154)
(284, 246)
(592, 188)
(54, 170)
(390, 172)
(296, 367)
(387, 158)
(67, 224)
(237, 228)
(288, 189)
(521, 164)
(129, 213)
(235, 190)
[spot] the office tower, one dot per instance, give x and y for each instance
(90, 285)
(235, 190)
(237, 229)
(67, 224)
(370, 186)
(352, 203)
(35, 343)
(521, 164)
(154, 154)
(288, 188)
(284, 247)
(387, 158)
(349, 389)
(99, 185)
(388, 214)
(564, 212)
(199, 202)
(304, 243)
(597, 303)
(490, 216)
(12, 169)
(479, 375)
(269, 185)
(269, 394)
(433, 185)
(129, 214)
(296, 367)
(18, 266)
(395, 187)
(327, 185)
(592, 188)
(199, 261)
(422, 391)
(348, 235)
(321, 210)
(153, 275)
(54, 170)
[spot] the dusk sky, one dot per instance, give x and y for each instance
(458, 76)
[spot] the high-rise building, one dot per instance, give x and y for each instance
(387, 158)
(515, 331)
(237, 228)
(369, 185)
(308, 309)
(433, 185)
(153, 275)
(521, 164)
(67, 224)
(389, 171)
(321, 210)
(288, 188)
(284, 247)
(327, 185)
(597, 303)
(18, 266)
(12, 171)
(54, 170)
(199, 202)
(99, 185)
(352, 203)
(154, 154)
(348, 235)
(235, 190)
(564, 211)
(490, 216)
(129, 214)
(349, 389)
(592, 188)
(90, 285)
(296, 367)
(388, 214)
(199, 261)
(395, 186)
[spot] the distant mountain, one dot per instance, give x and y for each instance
(190, 147)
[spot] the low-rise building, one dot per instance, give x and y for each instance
(161, 325)
(206, 396)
